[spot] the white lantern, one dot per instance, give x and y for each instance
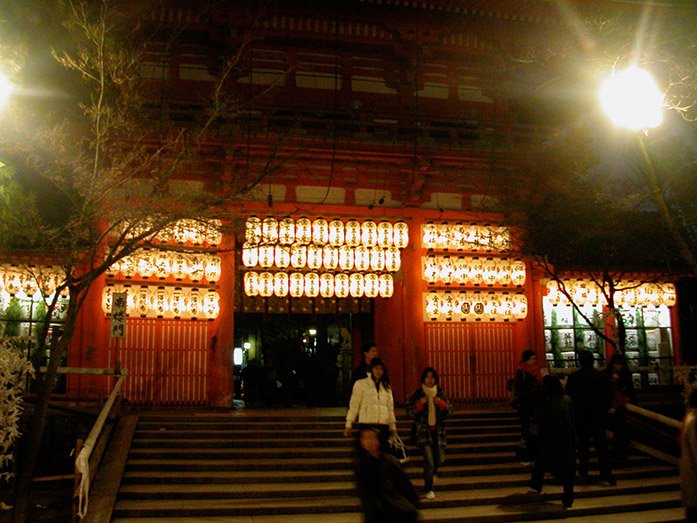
(385, 234)
(430, 269)
(251, 283)
(330, 257)
(371, 285)
(160, 303)
(266, 256)
(336, 233)
(311, 284)
(141, 303)
(352, 233)
(129, 267)
(286, 231)
(303, 231)
(320, 232)
(314, 256)
(211, 304)
(298, 256)
(252, 233)
(341, 285)
(195, 303)
(432, 306)
(269, 230)
(443, 239)
(369, 233)
(393, 259)
(520, 307)
(106, 298)
(518, 274)
(356, 285)
(400, 235)
(297, 284)
(213, 268)
(280, 284)
(163, 265)
(429, 236)
(345, 258)
(282, 256)
(250, 255)
(386, 285)
(146, 265)
(176, 302)
(179, 266)
(361, 261)
(265, 284)
(377, 259)
(476, 271)
(326, 285)
(197, 266)
(490, 275)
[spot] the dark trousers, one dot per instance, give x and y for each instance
(567, 480)
(587, 430)
(431, 460)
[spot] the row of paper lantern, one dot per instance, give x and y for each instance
(587, 292)
(475, 306)
(147, 263)
(31, 281)
(313, 284)
(345, 258)
(165, 302)
(184, 231)
(336, 233)
(465, 237)
(471, 270)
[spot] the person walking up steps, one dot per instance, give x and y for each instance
(429, 407)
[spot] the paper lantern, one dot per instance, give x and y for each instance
(213, 234)
(371, 285)
(330, 257)
(213, 268)
(303, 231)
(286, 231)
(197, 266)
(160, 303)
(179, 267)
(393, 259)
(518, 273)
(369, 233)
(296, 284)
(520, 307)
(194, 302)
(336, 233)
(28, 285)
(298, 256)
(445, 269)
(311, 284)
(345, 258)
(385, 234)
(141, 301)
(361, 258)
(129, 267)
(476, 271)
(326, 285)
(668, 297)
(280, 284)
(432, 306)
(489, 271)
(107, 298)
(356, 285)
(211, 304)
(429, 236)
(314, 256)
(320, 232)
(251, 283)
(266, 256)
(113, 269)
(352, 233)
(377, 259)
(430, 269)
(269, 230)
(400, 235)
(146, 263)
(250, 255)
(176, 302)
(265, 284)
(386, 286)
(282, 256)
(341, 285)
(443, 239)
(252, 232)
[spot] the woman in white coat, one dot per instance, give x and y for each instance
(371, 402)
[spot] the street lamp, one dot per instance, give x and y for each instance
(632, 100)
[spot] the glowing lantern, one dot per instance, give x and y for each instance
(311, 284)
(520, 307)
(265, 284)
(432, 307)
(386, 285)
(48, 281)
(179, 232)
(341, 285)
(385, 234)
(298, 256)
(107, 298)
(443, 239)
(286, 231)
(326, 285)
(369, 233)
(429, 236)
(146, 265)
(194, 302)
(280, 284)
(504, 270)
(400, 235)
(176, 302)
(269, 230)
(370, 285)
(553, 293)
(490, 275)
(129, 267)
(252, 233)
(250, 255)
(314, 256)
(282, 256)
(141, 303)
(336, 233)
(211, 304)
(297, 283)
(28, 285)
(460, 271)
(266, 256)
(113, 269)
(251, 283)
(505, 308)
(377, 259)
(352, 233)
(669, 297)
(197, 266)
(447, 306)
(213, 234)
(320, 231)
(478, 306)
(345, 258)
(330, 257)
(491, 306)
(430, 269)
(476, 271)
(160, 303)
(393, 259)
(179, 266)
(445, 269)
(466, 309)
(303, 231)
(213, 268)
(356, 285)
(361, 260)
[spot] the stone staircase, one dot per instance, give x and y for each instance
(295, 466)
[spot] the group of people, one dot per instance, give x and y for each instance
(385, 491)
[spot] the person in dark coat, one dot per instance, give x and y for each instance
(590, 393)
(553, 415)
(527, 383)
(385, 491)
(429, 408)
(619, 376)
(368, 351)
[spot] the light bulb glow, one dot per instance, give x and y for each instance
(632, 99)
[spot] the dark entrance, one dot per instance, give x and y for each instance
(285, 360)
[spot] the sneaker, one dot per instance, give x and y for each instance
(430, 495)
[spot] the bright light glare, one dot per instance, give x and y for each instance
(632, 99)
(5, 89)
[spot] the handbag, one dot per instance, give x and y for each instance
(396, 447)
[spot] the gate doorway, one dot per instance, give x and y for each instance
(474, 360)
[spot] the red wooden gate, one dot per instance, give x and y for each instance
(167, 361)
(474, 360)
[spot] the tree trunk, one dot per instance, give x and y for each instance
(27, 458)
